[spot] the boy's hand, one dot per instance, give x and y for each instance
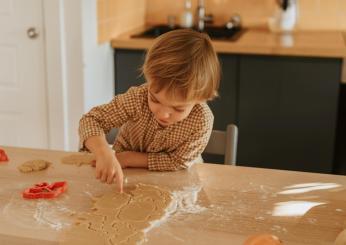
(109, 170)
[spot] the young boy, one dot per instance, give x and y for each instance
(165, 123)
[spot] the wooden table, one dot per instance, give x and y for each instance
(300, 208)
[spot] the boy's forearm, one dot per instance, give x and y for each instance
(133, 159)
(97, 145)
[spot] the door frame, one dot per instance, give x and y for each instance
(64, 71)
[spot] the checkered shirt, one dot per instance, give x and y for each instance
(169, 148)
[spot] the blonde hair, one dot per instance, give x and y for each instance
(184, 63)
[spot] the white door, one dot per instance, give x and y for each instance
(23, 102)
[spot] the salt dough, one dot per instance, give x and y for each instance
(341, 238)
(120, 218)
(79, 159)
(33, 165)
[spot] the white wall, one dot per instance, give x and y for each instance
(74, 68)
(98, 61)
(56, 74)
(79, 71)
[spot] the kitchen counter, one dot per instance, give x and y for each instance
(298, 207)
(262, 41)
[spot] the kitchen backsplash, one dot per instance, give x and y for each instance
(313, 14)
(118, 16)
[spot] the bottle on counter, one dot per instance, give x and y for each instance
(187, 17)
(285, 17)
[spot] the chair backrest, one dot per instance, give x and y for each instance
(224, 143)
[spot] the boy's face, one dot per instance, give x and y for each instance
(167, 111)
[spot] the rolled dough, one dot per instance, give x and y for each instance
(120, 218)
(33, 165)
(79, 159)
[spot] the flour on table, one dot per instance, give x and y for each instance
(79, 159)
(125, 218)
(33, 165)
(39, 215)
(186, 200)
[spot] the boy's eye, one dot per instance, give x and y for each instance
(179, 110)
(153, 100)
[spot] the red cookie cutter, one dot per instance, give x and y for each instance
(3, 156)
(45, 190)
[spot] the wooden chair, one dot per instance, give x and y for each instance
(224, 143)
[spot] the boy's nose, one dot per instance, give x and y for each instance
(164, 114)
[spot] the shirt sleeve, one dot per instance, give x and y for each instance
(184, 155)
(101, 119)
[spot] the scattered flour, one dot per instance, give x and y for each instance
(279, 229)
(186, 200)
(41, 218)
(47, 214)
(183, 201)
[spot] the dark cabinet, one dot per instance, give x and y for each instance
(288, 112)
(224, 107)
(285, 107)
(127, 69)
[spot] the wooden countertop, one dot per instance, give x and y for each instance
(300, 208)
(262, 41)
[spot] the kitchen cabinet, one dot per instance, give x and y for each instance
(224, 107)
(285, 107)
(288, 112)
(127, 64)
(340, 149)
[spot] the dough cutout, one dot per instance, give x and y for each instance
(120, 218)
(33, 166)
(79, 159)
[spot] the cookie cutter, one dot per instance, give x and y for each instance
(3, 156)
(45, 190)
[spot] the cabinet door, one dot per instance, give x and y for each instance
(288, 112)
(225, 106)
(340, 148)
(127, 69)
